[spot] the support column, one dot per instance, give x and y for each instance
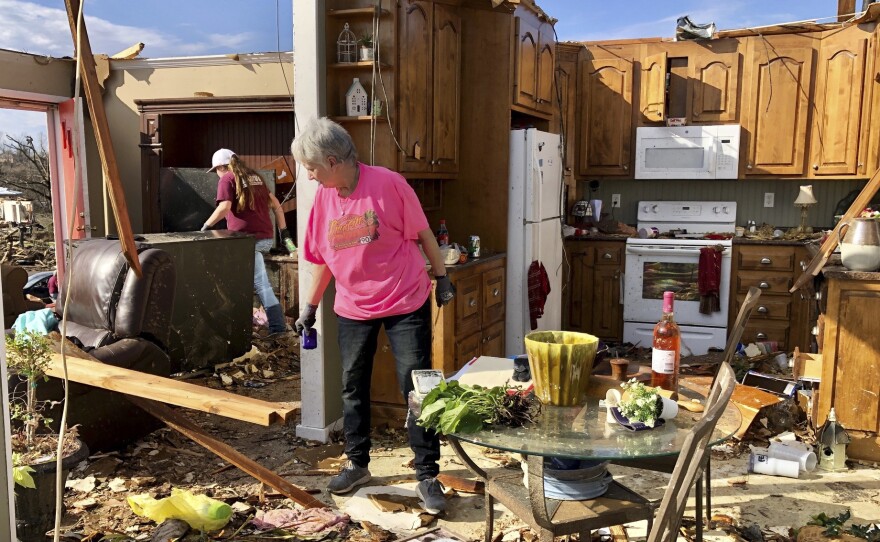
(320, 369)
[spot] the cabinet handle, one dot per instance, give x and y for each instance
(763, 310)
(749, 166)
(815, 167)
(803, 265)
(472, 302)
(495, 292)
(764, 285)
(607, 256)
(485, 340)
(761, 336)
(386, 347)
(625, 167)
(766, 261)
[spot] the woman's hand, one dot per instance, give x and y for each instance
(306, 319)
(444, 291)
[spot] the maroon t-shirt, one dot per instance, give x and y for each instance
(253, 221)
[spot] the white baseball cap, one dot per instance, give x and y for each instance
(220, 158)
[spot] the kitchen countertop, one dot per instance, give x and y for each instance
(840, 272)
(775, 242)
(598, 237)
(475, 261)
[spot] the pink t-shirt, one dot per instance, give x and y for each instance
(255, 221)
(369, 242)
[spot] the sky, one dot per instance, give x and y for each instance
(173, 28)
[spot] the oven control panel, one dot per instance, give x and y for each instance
(709, 212)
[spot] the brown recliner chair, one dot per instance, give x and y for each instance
(121, 320)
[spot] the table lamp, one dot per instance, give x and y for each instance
(804, 200)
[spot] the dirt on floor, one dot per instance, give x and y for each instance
(746, 506)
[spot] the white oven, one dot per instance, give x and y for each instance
(657, 265)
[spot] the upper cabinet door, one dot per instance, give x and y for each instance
(714, 86)
(779, 98)
(446, 83)
(546, 69)
(526, 62)
(415, 85)
(605, 117)
(835, 141)
(653, 88)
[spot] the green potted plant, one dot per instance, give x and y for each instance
(34, 446)
(366, 48)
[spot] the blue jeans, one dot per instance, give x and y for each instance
(410, 337)
(261, 278)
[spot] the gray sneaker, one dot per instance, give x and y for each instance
(349, 478)
(430, 491)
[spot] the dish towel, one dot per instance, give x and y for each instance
(709, 279)
(539, 289)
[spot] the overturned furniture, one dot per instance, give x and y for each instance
(15, 303)
(122, 320)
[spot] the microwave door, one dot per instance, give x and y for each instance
(676, 158)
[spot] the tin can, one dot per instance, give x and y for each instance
(474, 246)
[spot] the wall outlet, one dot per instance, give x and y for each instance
(615, 200)
(769, 199)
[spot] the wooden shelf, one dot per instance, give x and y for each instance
(362, 118)
(356, 12)
(357, 65)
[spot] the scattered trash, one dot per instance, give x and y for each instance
(170, 529)
(760, 462)
(200, 512)
(303, 521)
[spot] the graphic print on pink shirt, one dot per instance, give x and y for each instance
(353, 230)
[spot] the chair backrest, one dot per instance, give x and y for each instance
(109, 302)
(739, 325)
(691, 460)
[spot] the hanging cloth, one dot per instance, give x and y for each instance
(709, 279)
(539, 289)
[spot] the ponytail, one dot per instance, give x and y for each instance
(244, 193)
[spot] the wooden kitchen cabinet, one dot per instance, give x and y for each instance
(779, 97)
(471, 326)
(780, 315)
(713, 87)
(605, 125)
(534, 63)
(591, 299)
(430, 75)
(835, 143)
(850, 372)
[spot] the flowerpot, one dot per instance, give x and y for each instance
(561, 362)
(35, 508)
(365, 54)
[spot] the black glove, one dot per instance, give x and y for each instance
(445, 290)
(287, 239)
(306, 319)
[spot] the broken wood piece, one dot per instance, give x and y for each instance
(82, 369)
(226, 452)
(750, 401)
(461, 484)
(102, 134)
(618, 533)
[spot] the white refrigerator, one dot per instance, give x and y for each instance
(534, 231)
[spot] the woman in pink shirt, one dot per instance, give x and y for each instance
(364, 230)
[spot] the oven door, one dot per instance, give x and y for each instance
(653, 269)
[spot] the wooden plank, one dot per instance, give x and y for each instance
(83, 370)
(463, 485)
(227, 452)
(819, 260)
(102, 134)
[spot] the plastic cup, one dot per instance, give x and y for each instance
(805, 458)
(309, 339)
(761, 463)
(670, 408)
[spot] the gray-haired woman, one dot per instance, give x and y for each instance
(365, 229)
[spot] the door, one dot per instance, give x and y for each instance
(527, 53)
(579, 289)
(606, 117)
(714, 85)
(415, 81)
(68, 172)
(780, 105)
(835, 141)
(653, 88)
(446, 83)
(545, 83)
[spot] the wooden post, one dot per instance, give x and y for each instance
(845, 9)
(102, 134)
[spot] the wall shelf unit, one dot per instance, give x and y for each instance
(357, 12)
(357, 65)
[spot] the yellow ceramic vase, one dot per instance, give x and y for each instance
(561, 362)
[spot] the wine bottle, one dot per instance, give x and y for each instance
(666, 350)
(442, 234)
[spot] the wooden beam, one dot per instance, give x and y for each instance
(819, 260)
(102, 134)
(845, 9)
(228, 453)
(91, 372)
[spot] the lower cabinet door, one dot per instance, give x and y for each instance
(493, 341)
(467, 349)
(384, 387)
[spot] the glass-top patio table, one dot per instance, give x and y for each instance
(581, 432)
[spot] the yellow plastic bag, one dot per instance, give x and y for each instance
(201, 512)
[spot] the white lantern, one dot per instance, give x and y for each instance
(356, 99)
(346, 46)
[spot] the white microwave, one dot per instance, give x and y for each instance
(687, 152)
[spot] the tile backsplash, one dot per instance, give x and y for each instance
(748, 194)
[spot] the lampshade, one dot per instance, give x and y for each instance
(805, 196)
